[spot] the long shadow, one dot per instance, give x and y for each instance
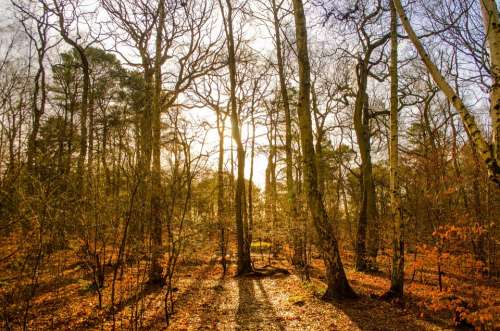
(93, 321)
(183, 300)
(194, 287)
(254, 314)
(369, 315)
(46, 286)
(372, 314)
(211, 307)
(269, 306)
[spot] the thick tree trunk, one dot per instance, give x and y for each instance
(155, 272)
(367, 233)
(397, 274)
(338, 286)
(144, 157)
(492, 26)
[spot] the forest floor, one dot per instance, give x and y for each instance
(206, 301)
(281, 302)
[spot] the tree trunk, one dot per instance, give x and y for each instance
(397, 274)
(492, 26)
(244, 261)
(220, 193)
(90, 152)
(367, 235)
(250, 183)
(83, 112)
(155, 272)
(38, 110)
(338, 286)
(298, 253)
(468, 120)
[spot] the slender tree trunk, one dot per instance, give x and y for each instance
(270, 189)
(292, 214)
(83, 113)
(90, 152)
(250, 184)
(372, 244)
(38, 110)
(320, 162)
(338, 285)
(220, 193)
(244, 260)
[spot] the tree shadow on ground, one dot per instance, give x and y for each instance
(372, 314)
(255, 312)
(182, 300)
(213, 303)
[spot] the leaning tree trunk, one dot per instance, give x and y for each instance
(338, 286)
(480, 143)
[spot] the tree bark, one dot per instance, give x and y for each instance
(338, 286)
(155, 272)
(39, 89)
(367, 235)
(250, 182)
(397, 274)
(220, 193)
(298, 253)
(480, 143)
(244, 260)
(492, 26)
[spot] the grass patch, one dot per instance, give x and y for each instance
(260, 245)
(315, 288)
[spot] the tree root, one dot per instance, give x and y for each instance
(266, 271)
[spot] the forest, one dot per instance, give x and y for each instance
(249, 165)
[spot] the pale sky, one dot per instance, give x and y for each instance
(260, 43)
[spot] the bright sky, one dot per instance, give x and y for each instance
(260, 43)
